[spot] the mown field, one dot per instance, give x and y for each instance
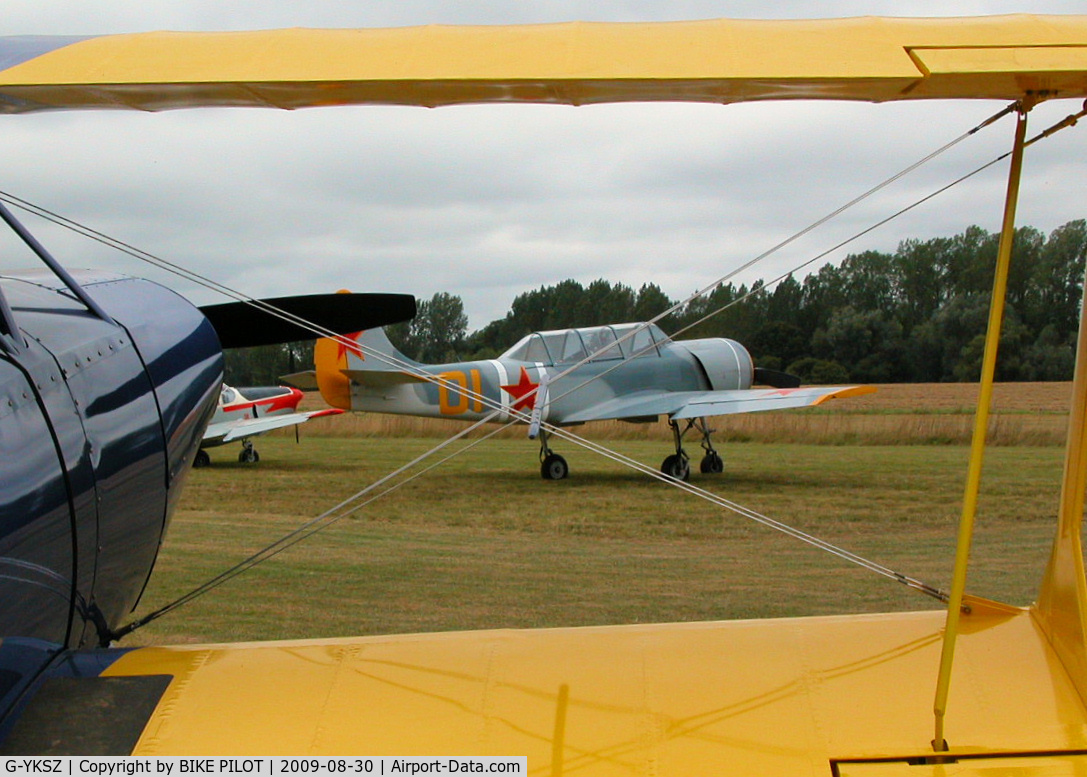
(481, 541)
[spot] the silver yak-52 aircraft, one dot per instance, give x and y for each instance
(632, 372)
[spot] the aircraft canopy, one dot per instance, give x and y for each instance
(561, 346)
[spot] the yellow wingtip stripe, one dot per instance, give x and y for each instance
(851, 391)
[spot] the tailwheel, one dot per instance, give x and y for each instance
(554, 467)
(248, 454)
(677, 466)
(202, 459)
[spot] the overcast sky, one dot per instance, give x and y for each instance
(486, 202)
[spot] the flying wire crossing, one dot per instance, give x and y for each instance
(389, 482)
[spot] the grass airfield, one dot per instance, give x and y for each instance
(483, 542)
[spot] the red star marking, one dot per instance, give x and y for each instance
(783, 392)
(520, 389)
(343, 348)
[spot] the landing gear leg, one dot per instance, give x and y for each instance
(678, 465)
(552, 465)
(712, 464)
(249, 454)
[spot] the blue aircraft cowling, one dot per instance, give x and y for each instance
(101, 421)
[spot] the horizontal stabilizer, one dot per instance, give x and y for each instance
(303, 381)
(242, 325)
(376, 378)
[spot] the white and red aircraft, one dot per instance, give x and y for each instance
(248, 412)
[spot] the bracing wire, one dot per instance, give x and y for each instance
(334, 513)
(371, 493)
(392, 361)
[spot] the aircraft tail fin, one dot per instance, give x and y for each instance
(335, 370)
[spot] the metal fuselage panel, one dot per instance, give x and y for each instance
(727, 364)
(503, 383)
(46, 500)
(98, 424)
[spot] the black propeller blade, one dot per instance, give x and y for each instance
(241, 325)
(776, 379)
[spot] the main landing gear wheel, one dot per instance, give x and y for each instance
(677, 466)
(202, 459)
(248, 454)
(554, 467)
(712, 464)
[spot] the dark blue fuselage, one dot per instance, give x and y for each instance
(99, 423)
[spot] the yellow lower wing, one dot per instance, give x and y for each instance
(777, 697)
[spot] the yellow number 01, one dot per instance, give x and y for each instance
(454, 402)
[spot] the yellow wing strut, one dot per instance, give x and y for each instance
(981, 425)
(1062, 600)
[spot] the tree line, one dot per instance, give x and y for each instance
(915, 315)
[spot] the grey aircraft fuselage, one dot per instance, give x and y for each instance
(646, 363)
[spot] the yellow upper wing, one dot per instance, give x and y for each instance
(577, 63)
